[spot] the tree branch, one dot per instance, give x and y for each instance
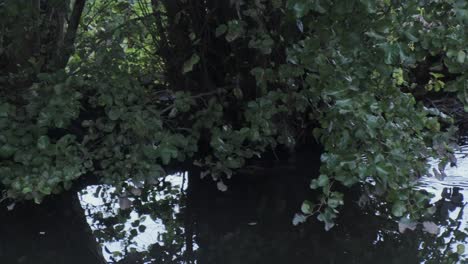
(69, 41)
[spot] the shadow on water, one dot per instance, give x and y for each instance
(187, 220)
(54, 232)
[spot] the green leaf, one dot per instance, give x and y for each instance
(300, 9)
(322, 180)
(4, 109)
(46, 190)
(6, 151)
(374, 35)
(235, 30)
(220, 30)
(38, 199)
(461, 55)
(307, 207)
(335, 200)
(188, 65)
(431, 210)
(192, 36)
(460, 249)
(114, 113)
(276, 3)
(168, 152)
(237, 93)
(43, 142)
(381, 171)
(314, 184)
(398, 209)
(327, 217)
(234, 163)
(26, 190)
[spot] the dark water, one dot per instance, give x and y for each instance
(186, 220)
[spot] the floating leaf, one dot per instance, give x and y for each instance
(431, 228)
(124, 203)
(135, 191)
(11, 206)
(203, 174)
(221, 186)
(406, 223)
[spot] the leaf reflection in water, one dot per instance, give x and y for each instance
(169, 223)
(151, 232)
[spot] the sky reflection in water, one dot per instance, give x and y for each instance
(164, 238)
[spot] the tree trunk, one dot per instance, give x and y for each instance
(38, 36)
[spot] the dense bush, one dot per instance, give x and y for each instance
(157, 84)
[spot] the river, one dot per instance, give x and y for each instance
(181, 220)
(252, 224)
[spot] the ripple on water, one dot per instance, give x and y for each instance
(449, 181)
(457, 176)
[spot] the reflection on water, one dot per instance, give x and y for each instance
(184, 219)
(189, 221)
(151, 229)
(450, 199)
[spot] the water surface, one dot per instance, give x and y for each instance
(187, 220)
(251, 223)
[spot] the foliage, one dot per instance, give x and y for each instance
(154, 85)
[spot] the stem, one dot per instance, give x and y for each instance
(68, 45)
